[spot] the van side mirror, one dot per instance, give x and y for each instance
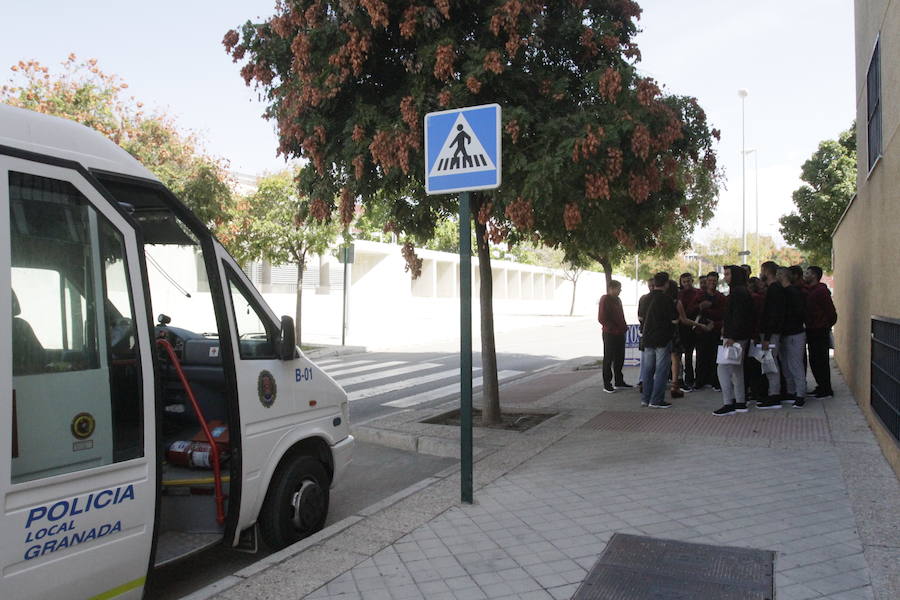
(287, 347)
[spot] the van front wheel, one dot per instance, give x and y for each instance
(296, 504)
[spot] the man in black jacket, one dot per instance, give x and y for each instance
(737, 328)
(641, 313)
(658, 330)
(770, 326)
(793, 337)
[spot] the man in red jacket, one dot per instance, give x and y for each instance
(612, 318)
(689, 296)
(711, 304)
(820, 318)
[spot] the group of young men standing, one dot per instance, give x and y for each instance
(786, 312)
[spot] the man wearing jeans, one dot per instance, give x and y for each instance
(793, 338)
(659, 329)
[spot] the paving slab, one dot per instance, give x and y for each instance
(810, 486)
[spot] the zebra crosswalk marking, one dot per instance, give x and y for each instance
(327, 361)
(336, 359)
(371, 367)
(446, 390)
(474, 160)
(377, 390)
(370, 371)
(324, 364)
(370, 377)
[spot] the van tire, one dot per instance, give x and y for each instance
(296, 504)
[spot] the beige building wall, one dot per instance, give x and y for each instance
(867, 239)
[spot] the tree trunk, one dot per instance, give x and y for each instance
(490, 404)
(574, 286)
(298, 313)
(607, 268)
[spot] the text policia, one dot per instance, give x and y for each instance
(52, 527)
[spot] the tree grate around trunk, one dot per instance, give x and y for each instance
(517, 421)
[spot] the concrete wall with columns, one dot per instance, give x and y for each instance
(387, 306)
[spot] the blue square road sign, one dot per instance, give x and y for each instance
(462, 149)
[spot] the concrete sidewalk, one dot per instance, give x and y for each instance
(810, 484)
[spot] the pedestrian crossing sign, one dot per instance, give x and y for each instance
(462, 149)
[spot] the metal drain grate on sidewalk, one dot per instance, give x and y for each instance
(782, 428)
(636, 567)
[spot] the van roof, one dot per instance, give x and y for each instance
(63, 138)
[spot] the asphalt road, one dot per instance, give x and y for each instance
(379, 383)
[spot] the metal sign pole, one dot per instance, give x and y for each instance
(346, 251)
(463, 151)
(465, 347)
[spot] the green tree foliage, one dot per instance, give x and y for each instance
(724, 248)
(445, 237)
(84, 93)
(721, 249)
(830, 176)
(370, 223)
(267, 225)
(538, 254)
(596, 159)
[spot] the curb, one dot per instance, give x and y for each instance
(412, 442)
(332, 530)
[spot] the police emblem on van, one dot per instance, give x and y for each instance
(266, 388)
(83, 425)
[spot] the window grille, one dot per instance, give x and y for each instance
(873, 106)
(885, 392)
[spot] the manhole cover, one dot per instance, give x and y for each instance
(635, 567)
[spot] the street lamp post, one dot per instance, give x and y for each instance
(692, 256)
(756, 192)
(755, 153)
(743, 96)
(637, 286)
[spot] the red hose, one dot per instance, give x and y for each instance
(217, 471)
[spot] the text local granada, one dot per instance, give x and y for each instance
(51, 527)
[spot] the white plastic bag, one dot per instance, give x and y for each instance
(769, 364)
(756, 352)
(729, 355)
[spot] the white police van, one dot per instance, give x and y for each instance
(153, 404)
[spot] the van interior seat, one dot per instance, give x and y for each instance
(28, 353)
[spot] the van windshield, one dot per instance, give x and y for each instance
(177, 273)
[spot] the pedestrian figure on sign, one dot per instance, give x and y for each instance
(462, 138)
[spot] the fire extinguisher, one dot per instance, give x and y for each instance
(195, 455)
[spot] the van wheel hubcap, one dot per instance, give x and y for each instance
(307, 504)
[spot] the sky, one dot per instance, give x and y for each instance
(794, 58)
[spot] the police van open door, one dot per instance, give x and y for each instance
(152, 403)
(78, 479)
